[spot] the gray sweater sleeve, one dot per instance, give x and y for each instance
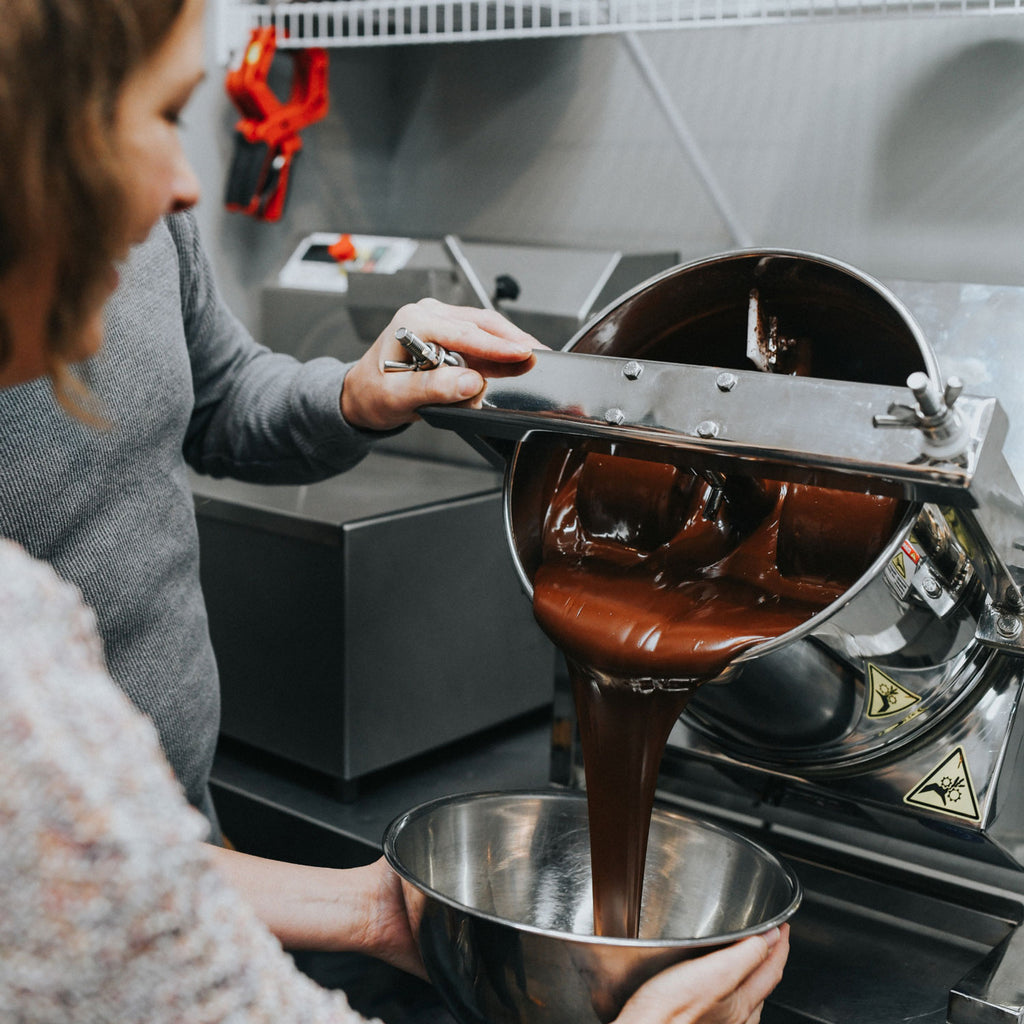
(258, 415)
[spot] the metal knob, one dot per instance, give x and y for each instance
(934, 415)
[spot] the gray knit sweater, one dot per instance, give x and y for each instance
(180, 381)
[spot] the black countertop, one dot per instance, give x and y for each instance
(276, 809)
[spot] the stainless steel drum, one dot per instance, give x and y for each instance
(897, 654)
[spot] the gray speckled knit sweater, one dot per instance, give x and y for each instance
(110, 909)
(181, 381)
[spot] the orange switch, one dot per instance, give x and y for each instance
(343, 249)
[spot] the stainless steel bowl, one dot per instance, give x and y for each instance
(498, 889)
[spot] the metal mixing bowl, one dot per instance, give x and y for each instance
(498, 890)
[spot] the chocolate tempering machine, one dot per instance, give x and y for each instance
(880, 746)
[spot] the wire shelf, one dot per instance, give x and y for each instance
(345, 23)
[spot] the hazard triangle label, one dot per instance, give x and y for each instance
(887, 697)
(900, 568)
(947, 788)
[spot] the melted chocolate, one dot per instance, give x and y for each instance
(648, 597)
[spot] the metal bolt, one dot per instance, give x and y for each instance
(931, 586)
(707, 428)
(1008, 626)
(928, 398)
(632, 370)
(615, 416)
(727, 381)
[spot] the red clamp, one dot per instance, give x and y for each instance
(267, 137)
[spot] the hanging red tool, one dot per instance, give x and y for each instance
(267, 137)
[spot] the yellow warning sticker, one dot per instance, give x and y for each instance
(899, 565)
(885, 696)
(947, 788)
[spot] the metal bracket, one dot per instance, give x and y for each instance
(1001, 629)
(818, 431)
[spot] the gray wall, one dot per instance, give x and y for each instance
(897, 145)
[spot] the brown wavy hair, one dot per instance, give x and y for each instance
(62, 64)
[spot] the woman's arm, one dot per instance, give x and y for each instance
(362, 909)
(352, 909)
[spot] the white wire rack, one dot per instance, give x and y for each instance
(348, 23)
(341, 23)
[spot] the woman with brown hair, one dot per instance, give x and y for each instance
(58, 99)
(111, 906)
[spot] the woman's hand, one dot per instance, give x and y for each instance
(387, 934)
(491, 345)
(725, 987)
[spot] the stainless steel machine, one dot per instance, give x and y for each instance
(371, 618)
(879, 747)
